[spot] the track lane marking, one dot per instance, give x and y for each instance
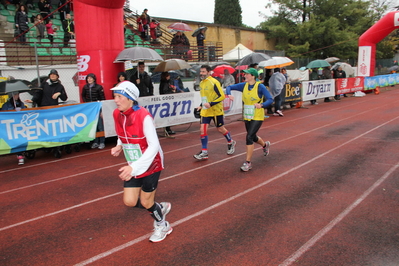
(295, 255)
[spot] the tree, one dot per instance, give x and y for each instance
(228, 12)
(322, 28)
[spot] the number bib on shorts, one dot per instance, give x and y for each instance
(132, 152)
(249, 111)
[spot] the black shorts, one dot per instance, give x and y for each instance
(252, 128)
(218, 120)
(148, 183)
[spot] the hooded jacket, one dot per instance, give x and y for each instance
(92, 93)
(44, 97)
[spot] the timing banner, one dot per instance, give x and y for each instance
(349, 85)
(45, 128)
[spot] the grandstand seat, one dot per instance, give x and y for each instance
(45, 43)
(55, 51)
(57, 23)
(11, 19)
(11, 7)
(159, 51)
(4, 12)
(68, 51)
(42, 51)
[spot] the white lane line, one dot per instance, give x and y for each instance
(297, 254)
(187, 218)
(60, 211)
(263, 127)
(186, 147)
(200, 167)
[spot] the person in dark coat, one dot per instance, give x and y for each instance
(200, 44)
(142, 80)
(15, 103)
(93, 92)
(69, 29)
(166, 87)
(51, 91)
(180, 44)
(21, 23)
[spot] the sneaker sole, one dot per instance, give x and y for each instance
(234, 148)
(159, 240)
(245, 170)
(267, 148)
(202, 158)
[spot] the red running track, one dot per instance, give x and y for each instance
(326, 195)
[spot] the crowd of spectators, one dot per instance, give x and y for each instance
(43, 19)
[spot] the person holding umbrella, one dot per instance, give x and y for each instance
(200, 45)
(15, 103)
(255, 97)
(180, 44)
(142, 80)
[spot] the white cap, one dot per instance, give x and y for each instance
(127, 89)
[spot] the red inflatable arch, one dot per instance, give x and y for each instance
(99, 39)
(369, 40)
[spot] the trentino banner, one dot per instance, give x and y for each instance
(45, 128)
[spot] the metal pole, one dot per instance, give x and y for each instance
(37, 65)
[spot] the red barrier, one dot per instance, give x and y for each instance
(99, 39)
(349, 85)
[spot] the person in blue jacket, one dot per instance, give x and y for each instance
(255, 98)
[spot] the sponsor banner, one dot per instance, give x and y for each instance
(364, 61)
(170, 109)
(349, 85)
(318, 89)
(370, 83)
(291, 92)
(45, 128)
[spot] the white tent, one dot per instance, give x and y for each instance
(237, 53)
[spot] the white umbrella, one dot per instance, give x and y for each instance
(138, 53)
(172, 64)
(332, 59)
(349, 71)
(276, 61)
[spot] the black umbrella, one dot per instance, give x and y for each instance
(15, 85)
(41, 80)
(393, 68)
(253, 58)
(197, 31)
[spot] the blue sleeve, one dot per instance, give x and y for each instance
(235, 87)
(262, 91)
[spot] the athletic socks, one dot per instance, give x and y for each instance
(227, 136)
(156, 213)
(204, 142)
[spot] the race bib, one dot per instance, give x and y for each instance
(132, 152)
(203, 101)
(249, 111)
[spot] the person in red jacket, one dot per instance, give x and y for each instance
(138, 140)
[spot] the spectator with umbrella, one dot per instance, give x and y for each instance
(200, 44)
(167, 87)
(180, 44)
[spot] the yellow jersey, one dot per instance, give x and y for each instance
(211, 92)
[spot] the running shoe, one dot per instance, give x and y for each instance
(201, 156)
(279, 112)
(160, 232)
(266, 149)
(166, 206)
(231, 147)
(246, 167)
(101, 146)
(95, 145)
(21, 160)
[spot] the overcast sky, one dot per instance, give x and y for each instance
(199, 10)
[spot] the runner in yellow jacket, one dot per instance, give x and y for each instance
(211, 107)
